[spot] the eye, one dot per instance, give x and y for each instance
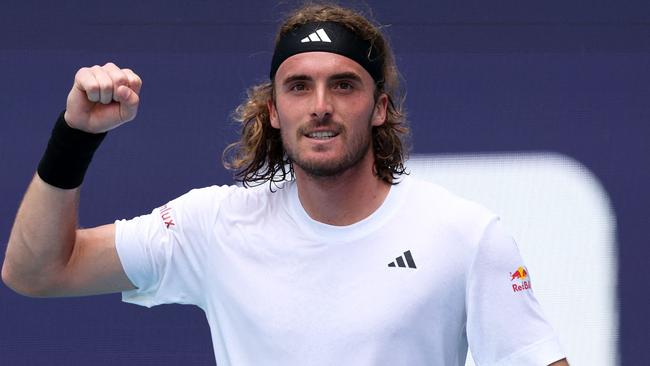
(344, 85)
(298, 87)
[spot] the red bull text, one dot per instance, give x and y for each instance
(521, 274)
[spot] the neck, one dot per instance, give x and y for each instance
(343, 199)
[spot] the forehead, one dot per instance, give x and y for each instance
(320, 64)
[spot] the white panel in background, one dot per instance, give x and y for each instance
(564, 225)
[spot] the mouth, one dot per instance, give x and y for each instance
(321, 135)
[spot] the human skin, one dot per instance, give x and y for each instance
(48, 255)
(331, 95)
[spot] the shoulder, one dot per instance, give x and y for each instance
(237, 202)
(220, 196)
(459, 216)
(441, 200)
(203, 198)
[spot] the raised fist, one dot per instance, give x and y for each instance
(102, 98)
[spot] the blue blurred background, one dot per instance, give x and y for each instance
(482, 77)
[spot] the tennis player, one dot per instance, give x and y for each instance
(328, 255)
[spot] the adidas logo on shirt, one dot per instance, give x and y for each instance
(400, 261)
(318, 36)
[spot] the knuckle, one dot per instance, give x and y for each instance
(92, 87)
(105, 83)
(106, 90)
(132, 75)
(121, 78)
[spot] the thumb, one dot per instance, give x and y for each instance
(128, 101)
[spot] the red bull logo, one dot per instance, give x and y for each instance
(523, 283)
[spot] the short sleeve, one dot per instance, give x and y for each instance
(163, 253)
(505, 324)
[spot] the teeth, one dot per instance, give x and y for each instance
(321, 134)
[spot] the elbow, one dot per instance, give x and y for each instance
(20, 285)
(9, 280)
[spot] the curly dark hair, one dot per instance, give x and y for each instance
(259, 156)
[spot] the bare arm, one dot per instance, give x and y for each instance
(47, 254)
(562, 362)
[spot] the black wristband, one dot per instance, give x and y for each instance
(68, 155)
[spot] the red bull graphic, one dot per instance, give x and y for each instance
(523, 283)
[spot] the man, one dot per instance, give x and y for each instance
(350, 263)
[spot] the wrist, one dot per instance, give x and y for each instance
(68, 155)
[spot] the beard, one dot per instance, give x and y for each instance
(356, 148)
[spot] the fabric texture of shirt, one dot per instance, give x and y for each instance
(412, 284)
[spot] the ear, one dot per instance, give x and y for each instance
(379, 112)
(273, 114)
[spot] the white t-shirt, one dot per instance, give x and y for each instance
(412, 284)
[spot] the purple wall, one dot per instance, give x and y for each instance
(569, 77)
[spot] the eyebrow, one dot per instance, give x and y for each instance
(346, 75)
(299, 77)
(340, 76)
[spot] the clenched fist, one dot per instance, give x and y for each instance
(102, 98)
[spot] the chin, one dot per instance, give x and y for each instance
(327, 167)
(332, 162)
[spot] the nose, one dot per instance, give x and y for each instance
(322, 107)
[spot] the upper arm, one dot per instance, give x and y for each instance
(94, 266)
(48, 256)
(497, 288)
(562, 362)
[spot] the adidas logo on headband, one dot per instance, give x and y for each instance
(318, 36)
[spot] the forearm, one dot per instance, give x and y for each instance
(46, 254)
(42, 238)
